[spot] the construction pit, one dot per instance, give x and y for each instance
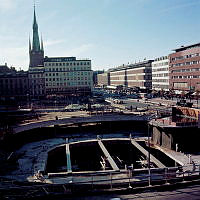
(59, 161)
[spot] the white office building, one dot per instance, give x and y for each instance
(160, 73)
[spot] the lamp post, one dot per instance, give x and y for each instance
(27, 95)
(149, 170)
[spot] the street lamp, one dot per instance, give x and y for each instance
(149, 160)
(27, 95)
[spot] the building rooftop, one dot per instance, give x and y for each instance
(182, 48)
(62, 59)
(161, 58)
(130, 66)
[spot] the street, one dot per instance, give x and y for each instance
(189, 193)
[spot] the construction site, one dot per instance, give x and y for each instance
(58, 155)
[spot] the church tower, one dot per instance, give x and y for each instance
(36, 51)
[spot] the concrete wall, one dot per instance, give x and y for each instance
(187, 138)
(162, 138)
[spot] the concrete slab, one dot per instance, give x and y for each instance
(33, 158)
(145, 152)
(69, 166)
(108, 156)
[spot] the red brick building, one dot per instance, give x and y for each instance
(185, 68)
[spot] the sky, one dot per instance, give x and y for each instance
(109, 32)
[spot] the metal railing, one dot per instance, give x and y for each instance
(112, 180)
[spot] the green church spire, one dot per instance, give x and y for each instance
(36, 40)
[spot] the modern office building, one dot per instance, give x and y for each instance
(95, 76)
(160, 73)
(103, 79)
(68, 76)
(185, 68)
(133, 75)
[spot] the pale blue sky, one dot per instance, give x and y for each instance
(109, 32)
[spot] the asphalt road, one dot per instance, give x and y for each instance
(135, 104)
(188, 193)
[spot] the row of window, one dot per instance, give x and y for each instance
(184, 57)
(36, 75)
(67, 69)
(160, 69)
(67, 64)
(186, 70)
(15, 81)
(160, 80)
(160, 64)
(161, 58)
(186, 63)
(160, 75)
(130, 72)
(67, 84)
(36, 82)
(180, 85)
(64, 79)
(160, 86)
(185, 77)
(68, 74)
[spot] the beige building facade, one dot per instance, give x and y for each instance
(133, 75)
(67, 76)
